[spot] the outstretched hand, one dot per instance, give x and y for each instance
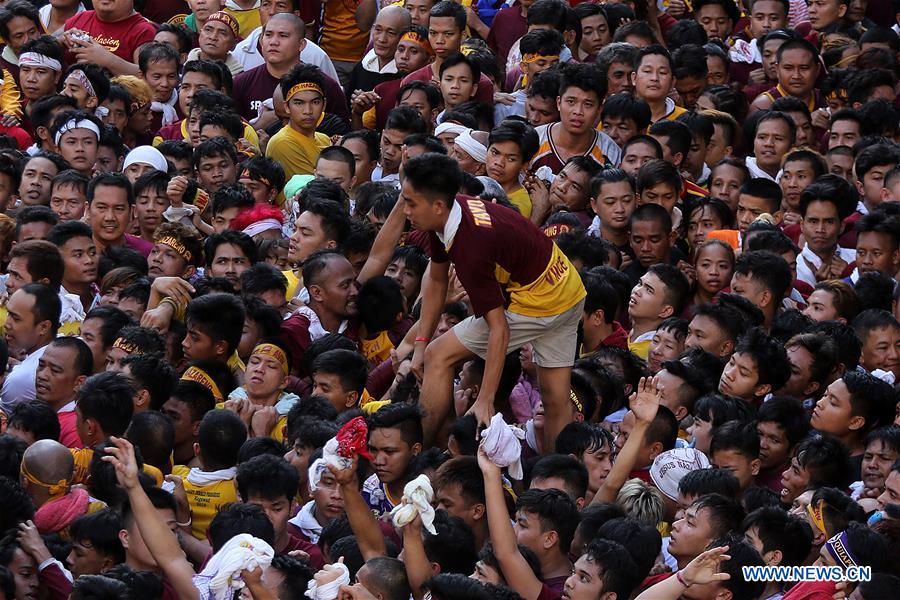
(705, 568)
(121, 456)
(645, 401)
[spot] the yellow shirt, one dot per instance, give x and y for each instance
(378, 349)
(247, 19)
(294, 284)
(70, 329)
(206, 500)
(296, 152)
(341, 38)
(522, 201)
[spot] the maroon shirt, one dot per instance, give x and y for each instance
(505, 239)
(253, 86)
(508, 26)
(121, 38)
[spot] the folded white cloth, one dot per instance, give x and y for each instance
(330, 456)
(242, 552)
(170, 115)
(199, 477)
(503, 446)
(417, 497)
(885, 376)
(329, 591)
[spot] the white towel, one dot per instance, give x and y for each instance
(242, 552)
(329, 591)
(417, 497)
(503, 446)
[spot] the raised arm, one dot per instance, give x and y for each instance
(418, 567)
(704, 569)
(362, 521)
(644, 404)
(434, 294)
(160, 540)
(385, 242)
(516, 571)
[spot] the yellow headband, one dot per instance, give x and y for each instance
(304, 86)
(54, 489)
(245, 174)
(224, 17)
(578, 405)
(273, 351)
(534, 57)
(177, 246)
(815, 513)
(128, 347)
(202, 377)
(412, 36)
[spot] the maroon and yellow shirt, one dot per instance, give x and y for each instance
(503, 260)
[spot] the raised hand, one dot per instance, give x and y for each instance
(645, 401)
(705, 568)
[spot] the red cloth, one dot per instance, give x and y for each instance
(56, 515)
(353, 439)
(52, 579)
(121, 38)
(811, 590)
(23, 140)
(68, 435)
(138, 244)
(618, 338)
(316, 560)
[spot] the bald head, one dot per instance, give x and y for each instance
(386, 31)
(290, 19)
(49, 462)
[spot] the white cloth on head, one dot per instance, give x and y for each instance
(330, 456)
(36, 59)
(262, 226)
(471, 146)
(76, 124)
(146, 155)
(885, 376)
(450, 128)
(330, 590)
(222, 573)
(417, 497)
(502, 445)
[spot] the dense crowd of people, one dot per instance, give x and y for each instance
(526, 300)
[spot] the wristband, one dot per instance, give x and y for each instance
(681, 580)
(423, 339)
(186, 524)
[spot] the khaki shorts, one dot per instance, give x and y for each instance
(554, 338)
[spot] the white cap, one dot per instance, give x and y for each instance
(146, 155)
(669, 467)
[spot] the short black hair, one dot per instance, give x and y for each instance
(434, 175)
(584, 76)
(238, 517)
(350, 367)
(47, 305)
(214, 147)
(871, 398)
(618, 570)
(826, 460)
(769, 355)
(37, 418)
(117, 180)
(63, 232)
(220, 438)
(771, 270)
(268, 476)
(153, 373)
(641, 540)
(405, 417)
(108, 398)
(519, 132)
(556, 511)
(701, 482)
(101, 529)
(221, 316)
(156, 52)
(569, 469)
(833, 189)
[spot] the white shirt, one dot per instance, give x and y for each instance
(370, 63)
(754, 169)
(804, 273)
(18, 387)
(392, 179)
(247, 53)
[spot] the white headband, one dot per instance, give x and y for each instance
(471, 146)
(76, 124)
(35, 59)
(450, 127)
(260, 226)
